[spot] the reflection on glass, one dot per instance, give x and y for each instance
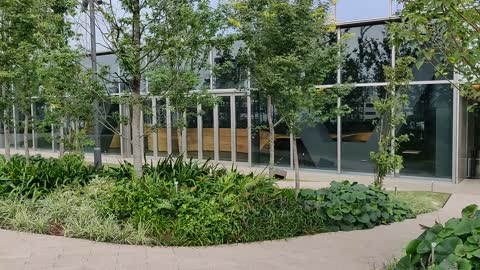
(110, 139)
(147, 126)
(225, 129)
(241, 114)
(368, 51)
(207, 133)
(426, 72)
(429, 123)
(176, 134)
(351, 10)
(20, 120)
(228, 70)
(43, 132)
(317, 146)
(260, 135)
(192, 133)
(109, 63)
(161, 129)
(359, 136)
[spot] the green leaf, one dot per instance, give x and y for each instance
(460, 250)
(469, 211)
(365, 218)
(412, 247)
(405, 264)
(424, 247)
(447, 246)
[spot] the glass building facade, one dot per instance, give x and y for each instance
(235, 130)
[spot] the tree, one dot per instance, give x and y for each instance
(69, 92)
(444, 34)
(147, 38)
(291, 51)
(30, 29)
(390, 112)
(189, 35)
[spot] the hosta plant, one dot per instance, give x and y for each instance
(349, 206)
(454, 245)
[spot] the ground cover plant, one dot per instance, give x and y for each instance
(351, 206)
(421, 202)
(183, 203)
(453, 245)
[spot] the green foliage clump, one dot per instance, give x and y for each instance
(350, 206)
(42, 175)
(188, 203)
(455, 245)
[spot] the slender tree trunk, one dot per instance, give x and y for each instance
(25, 138)
(296, 167)
(180, 135)
(136, 85)
(61, 149)
(136, 135)
(76, 138)
(6, 134)
(6, 126)
(271, 137)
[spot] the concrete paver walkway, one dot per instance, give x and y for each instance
(367, 249)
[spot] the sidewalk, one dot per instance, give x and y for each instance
(361, 250)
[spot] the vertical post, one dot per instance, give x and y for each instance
(142, 133)
(390, 8)
(216, 134)
(155, 128)
(32, 113)
(14, 115)
(184, 149)
(97, 151)
(233, 129)
(199, 132)
(339, 118)
(249, 128)
(169, 128)
(292, 151)
(52, 127)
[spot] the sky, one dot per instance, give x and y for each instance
(347, 10)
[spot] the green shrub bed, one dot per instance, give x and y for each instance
(178, 202)
(454, 245)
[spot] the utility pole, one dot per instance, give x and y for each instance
(97, 151)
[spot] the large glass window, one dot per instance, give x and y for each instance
(147, 126)
(192, 133)
(359, 136)
(225, 128)
(426, 72)
(161, 128)
(228, 70)
(317, 146)
(110, 139)
(241, 114)
(43, 131)
(429, 123)
(208, 137)
(351, 10)
(260, 135)
(368, 51)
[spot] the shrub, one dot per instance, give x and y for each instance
(456, 245)
(350, 206)
(188, 203)
(42, 175)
